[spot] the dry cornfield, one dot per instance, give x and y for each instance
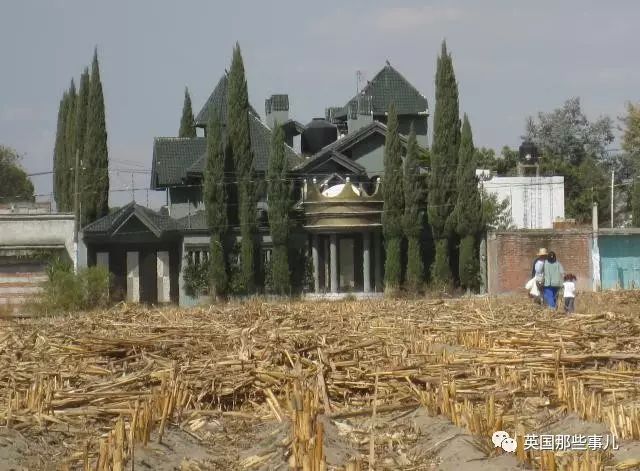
(377, 384)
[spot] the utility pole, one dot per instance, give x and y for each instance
(612, 180)
(76, 201)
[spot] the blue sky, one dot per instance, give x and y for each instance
(512, 59)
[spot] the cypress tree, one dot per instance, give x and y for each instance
(279, 197)
(444, 159)
(59, 154)
(82, 101)
(393, 206)
(70, 149)
(215, 197)
(95, 149)
(240, 147)
(187, 123)
(468, 209)
(635, 202)
(412, 223)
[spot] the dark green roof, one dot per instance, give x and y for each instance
(260, 145)
(156, 222)
(336, 149)
(172, 156)
(217, 101)
(194, 222)
(386, 87)
(277, 103)
(176, 158)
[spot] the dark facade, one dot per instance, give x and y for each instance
(336, 173)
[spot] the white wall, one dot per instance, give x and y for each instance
(34, 230)
(535, 201)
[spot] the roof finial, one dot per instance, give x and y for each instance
(388, 64)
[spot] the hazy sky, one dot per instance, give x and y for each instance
(511, 58)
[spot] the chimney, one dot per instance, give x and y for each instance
(360, 113)
(276, 109)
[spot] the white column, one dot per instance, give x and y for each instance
(133, 277)
(316, 263)
(333, 249)
(163, 279)
(366, 261)
(377, 242)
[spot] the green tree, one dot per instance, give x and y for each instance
(187, 123)
(15, 185)
(631, 135)
(412, 223)
(503, 165)
(240, 148)
(82, 102)
(96, 198)
(68, 161)
(215, 197)
(59, 154)
(444, 160)
(631, 147)
(567, 133)
(468, 209)
(576, 148)
(393, 207)
(279, 198)
(635, 202)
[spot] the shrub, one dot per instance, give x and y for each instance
(66, 291)
(96, 282)
(196, 278)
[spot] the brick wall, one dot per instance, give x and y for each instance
(510, 256)
(20, 282)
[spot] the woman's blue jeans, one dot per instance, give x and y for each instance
(550, 294)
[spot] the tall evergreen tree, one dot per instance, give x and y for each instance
(240, 147)
(444, 160)
(635, 202)
(393, 207)
(95, 149)
(468, 209)
(279, 197)
(59, 151)
(187, 123)
(215, 197)
(82, 102)
(412, 222)
(70, 148)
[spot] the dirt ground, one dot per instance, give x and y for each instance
(65, 380)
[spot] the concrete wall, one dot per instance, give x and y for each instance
(23, 237)
(535, 201)
(510, 256)
(33, 230)
(370, 154)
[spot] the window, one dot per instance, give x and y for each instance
(266, 255)
(198, 255)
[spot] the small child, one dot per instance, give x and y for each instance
(569, 293)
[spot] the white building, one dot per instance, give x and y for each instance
(535, 202)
